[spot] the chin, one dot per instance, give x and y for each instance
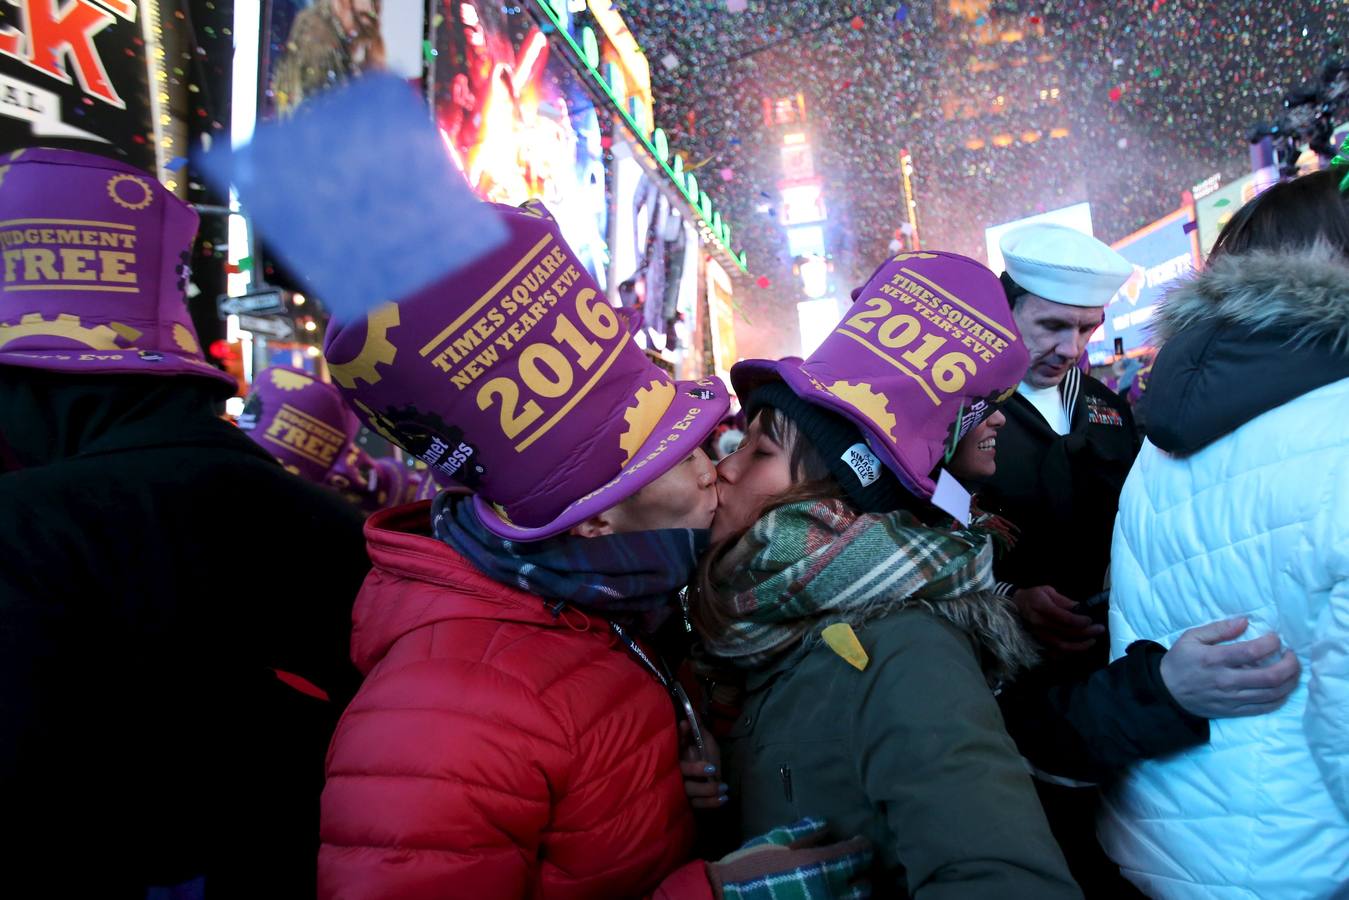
(721, 526)
(1046, 381)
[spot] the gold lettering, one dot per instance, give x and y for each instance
(465, 343)
(72, 264)
(114, 267)
(39, 263)
(442, 361)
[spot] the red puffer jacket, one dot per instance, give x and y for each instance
(494, 750)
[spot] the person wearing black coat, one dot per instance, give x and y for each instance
(175, 607)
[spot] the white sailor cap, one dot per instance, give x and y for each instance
(1064, 265)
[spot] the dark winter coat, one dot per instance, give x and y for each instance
(173, 607)
(1061, 491)
(910, 752)
(1076, 720)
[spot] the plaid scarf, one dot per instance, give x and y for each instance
(632, 578)
(807, 564)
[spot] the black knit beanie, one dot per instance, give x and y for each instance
(834, 437)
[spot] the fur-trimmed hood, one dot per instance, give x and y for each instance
(1304, 294)
(1249, 333)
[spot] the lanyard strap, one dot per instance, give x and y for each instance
(683, 707)
(662, 674)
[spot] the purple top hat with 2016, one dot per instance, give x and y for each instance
(96, 259)
(516, 378)
(927, 351)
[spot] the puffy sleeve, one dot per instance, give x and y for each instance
(1326, 719)
(933, 753)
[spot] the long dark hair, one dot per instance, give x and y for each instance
(1290, 215)
(811, 481)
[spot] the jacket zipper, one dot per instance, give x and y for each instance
(786, 773)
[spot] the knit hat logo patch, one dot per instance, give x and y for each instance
(865, 464)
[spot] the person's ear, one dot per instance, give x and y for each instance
(595, 526)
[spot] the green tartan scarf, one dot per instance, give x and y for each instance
(805, 565)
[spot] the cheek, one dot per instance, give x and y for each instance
(771, 476)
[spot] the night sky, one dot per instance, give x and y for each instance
(1154, 96)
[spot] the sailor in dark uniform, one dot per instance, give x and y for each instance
(1069, 442)
(1062, 459)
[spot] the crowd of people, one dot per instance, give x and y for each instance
(925, 617)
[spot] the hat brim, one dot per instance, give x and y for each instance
(749, 375)
(119, 362)
(681, 430)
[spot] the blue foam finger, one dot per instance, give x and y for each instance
(357, 196)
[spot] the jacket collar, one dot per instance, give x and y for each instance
(417, 581)
(1070, 390)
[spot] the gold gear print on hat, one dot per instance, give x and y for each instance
(866, 401)
(377, 349)
(650, 403)
(184, 338)
(380, 424)
(914, 255)
(95, 337)
(287, 380)
(144, 185)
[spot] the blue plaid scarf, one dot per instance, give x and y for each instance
(632, 579)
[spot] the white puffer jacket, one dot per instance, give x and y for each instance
(1247, 515)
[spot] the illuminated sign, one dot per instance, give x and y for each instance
(1161, 253)
(910, 205)
(789, 110)
(815, 277)
(587, 52)
(797, 163)
(1077, 217)
(79, 70)
(630, 73)
(802, 204)
(807, 240)
(1213, 210)
(722, 324)
(518, 121)
(817, 319)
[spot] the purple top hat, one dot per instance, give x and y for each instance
(515, 378)
(96, 261)
(396, 483)
(927, 351)
(303, 423)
